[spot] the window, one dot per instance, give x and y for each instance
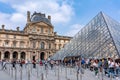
(59, 46)
(7, 36)
(22, 44)
(42, 45)
(6, 55)
(49, 31)
(41, 29)
(6, 43)
(49, 45)
(14, 44)
(15, 55)
(36, 18)
(55, 46)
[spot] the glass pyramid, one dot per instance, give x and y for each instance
(100, 38)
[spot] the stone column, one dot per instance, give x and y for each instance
(46, 54)
(10, 44)
(18, 44)
(2, 55)
(19, 55)
(37, 55)
(36, 44)
(11, 55)
(27, 55)
(30, 55)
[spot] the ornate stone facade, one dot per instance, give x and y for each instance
(36, 41)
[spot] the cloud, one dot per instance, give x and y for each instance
(61, 12)
(74, 29)
(12, 21)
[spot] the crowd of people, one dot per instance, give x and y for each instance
(23, 63)
(109, 67)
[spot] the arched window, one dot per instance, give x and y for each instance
(22, 56)
(42, 56)
(6, 55)
(15, 55)
(42, 45)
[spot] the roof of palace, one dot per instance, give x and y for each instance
(39, 17)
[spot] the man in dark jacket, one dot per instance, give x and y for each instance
(105, 66)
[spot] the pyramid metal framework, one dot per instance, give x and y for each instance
(100, 38)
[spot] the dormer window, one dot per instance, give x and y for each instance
(36, 18)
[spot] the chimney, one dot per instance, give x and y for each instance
(17, 28)
(3, 26)
(28, 16)
(49, 17)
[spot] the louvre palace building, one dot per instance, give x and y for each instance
(36, 41)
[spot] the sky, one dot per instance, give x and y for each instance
(67, 16)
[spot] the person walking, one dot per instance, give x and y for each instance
(95, 65)
(105, 66)
(46, 64)
(34, 63)
(21, 64)
(13, 64)
(51, 64)
(4, 65)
